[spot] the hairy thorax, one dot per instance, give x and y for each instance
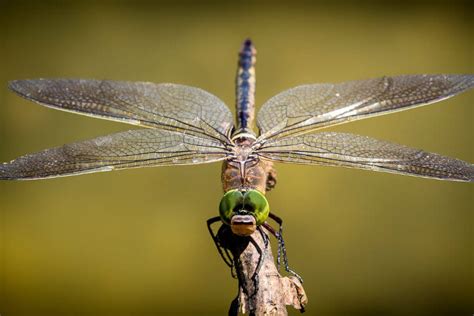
(244, 171)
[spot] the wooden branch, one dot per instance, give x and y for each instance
(267, 293)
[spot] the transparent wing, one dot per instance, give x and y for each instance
(165, 106)
(354, 151)
(130, 149)
(306, 108)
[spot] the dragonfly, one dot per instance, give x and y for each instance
(183, 125)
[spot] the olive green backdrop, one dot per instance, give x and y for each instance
(135, 242)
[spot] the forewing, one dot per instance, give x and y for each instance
(166, 106)
(306, 108)
(130, 149)
(354, 151)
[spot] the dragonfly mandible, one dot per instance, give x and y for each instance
(185, 125)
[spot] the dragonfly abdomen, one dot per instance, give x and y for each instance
(245, 87)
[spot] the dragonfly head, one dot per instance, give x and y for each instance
(243, 210)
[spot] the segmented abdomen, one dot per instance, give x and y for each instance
(245, 82)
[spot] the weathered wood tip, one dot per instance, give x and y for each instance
(268, 292)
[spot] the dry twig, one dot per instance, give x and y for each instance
(267, 292)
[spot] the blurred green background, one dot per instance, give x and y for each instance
(135, 242)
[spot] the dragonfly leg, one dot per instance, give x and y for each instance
(223, 252)
(230, 251)
(277, 236)
(281, 245)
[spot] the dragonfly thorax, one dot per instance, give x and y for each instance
(242, 154)
(244, 174)
(242, 157)
(243, 169)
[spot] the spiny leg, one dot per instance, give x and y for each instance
(281, 245)
(226, 241)
(224, 254)
(228, 259)
(277, 236)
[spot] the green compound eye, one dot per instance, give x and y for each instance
(231, 202)
(250, 202)
(256, 203)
